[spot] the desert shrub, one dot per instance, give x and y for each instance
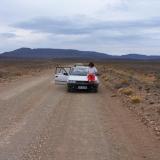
(106, 78)
(126, 91)
(125, 83)
(135, 99)
(113, 95)
(103, 76)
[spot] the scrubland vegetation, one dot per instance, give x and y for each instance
(13, 69)
(138, 86)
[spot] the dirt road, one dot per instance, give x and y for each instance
(41, 121)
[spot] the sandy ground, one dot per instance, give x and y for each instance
(41, 121)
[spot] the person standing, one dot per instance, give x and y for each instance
(92, 71)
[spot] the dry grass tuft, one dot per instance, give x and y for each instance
(125, 82)
(113, 95)
(135, 99)
(126, 91)
(104, 77)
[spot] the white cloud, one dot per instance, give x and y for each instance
(91, 25)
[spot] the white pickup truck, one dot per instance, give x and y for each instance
(76, 78)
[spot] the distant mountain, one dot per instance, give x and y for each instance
(70, 54)
(139, 57)
(54, 54)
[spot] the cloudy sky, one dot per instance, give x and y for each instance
(110, 26)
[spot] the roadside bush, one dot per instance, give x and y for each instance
(126, 91)
(125, 82)
(135, 99)
(104, 77)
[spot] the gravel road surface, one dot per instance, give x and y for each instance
(41, 121)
